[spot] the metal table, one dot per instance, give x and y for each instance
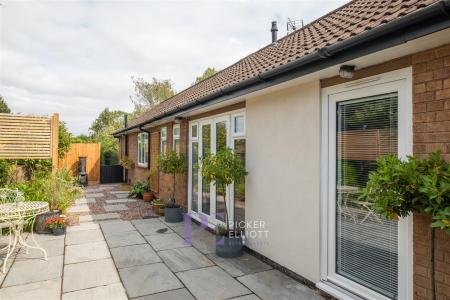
(17, 215)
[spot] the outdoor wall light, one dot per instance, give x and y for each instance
(347, 71)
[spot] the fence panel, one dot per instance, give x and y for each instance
(91, 152)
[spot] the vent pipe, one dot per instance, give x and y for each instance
(274, 31)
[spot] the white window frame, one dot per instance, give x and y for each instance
(399, 81)
(212, 120)
(142, 147)
(162, 138)
(233, 124)
(175, 136)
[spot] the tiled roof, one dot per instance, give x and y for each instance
(354, 18)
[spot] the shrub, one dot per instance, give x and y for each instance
(138, 190)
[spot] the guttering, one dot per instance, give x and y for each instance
(415, 25)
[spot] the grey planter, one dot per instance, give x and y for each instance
(173, 215)
(229, 246)
(58, 231)
(41, 218)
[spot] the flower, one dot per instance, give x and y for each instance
(55, 223)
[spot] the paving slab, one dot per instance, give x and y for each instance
(148, 279)
(124, 239)
(94, 189)
(83, 226)
(116, 227)
(89, 274)
(134, 255)
(53, 248)
(183, 259)
(180, 294)
(122, 200)
(275, 285)
(113, 291)
(166, 241)
(85, 201)
(247, 297)
(86, 252)
(239, 266)
(121, 195)
(98, 217)
(94, 195)
(79, 208)
(150, 226)
(45, 237)
(48, 290)
(33, 270)
(204, 241)
(115, 207)
(85, 236)
(213, 283)
(119, 192)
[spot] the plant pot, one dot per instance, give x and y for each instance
(148, 196)
(227, 246)
(173, 215)
(41, 218)
(157, 207)
(161, 211)
(58, 231)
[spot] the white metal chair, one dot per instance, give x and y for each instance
(8, 196)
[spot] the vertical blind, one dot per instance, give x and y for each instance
(366, 243)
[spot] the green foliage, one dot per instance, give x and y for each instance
(206, 74)
(223, 168)
(101, 132)
(221, 230)
(171, 162)
(148, 94)
(3, 106)
(138, 190)
(171, 204)
(58, 189)
(349, 174)
(64, 139)
(8, 168)
(399, 188)
(127, 163)
(82, 139)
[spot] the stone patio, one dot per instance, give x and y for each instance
(141, 259)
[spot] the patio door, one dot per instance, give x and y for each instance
(363, 252)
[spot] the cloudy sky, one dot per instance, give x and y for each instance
(77, 57)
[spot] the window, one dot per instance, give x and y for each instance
(163, 138)
(194, 131)
(239, 189)
(194, 167)
(176, 138)
(143, 149)
(238, 124)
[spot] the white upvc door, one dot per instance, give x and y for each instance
(356, 218)
(205, 188)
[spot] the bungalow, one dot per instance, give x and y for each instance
(310, 113)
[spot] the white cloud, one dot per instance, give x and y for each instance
(76, 58)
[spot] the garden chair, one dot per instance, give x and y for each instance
(8, 196)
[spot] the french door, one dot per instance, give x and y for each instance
(206, 200)
(363, 252)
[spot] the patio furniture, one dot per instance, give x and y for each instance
(14, 214)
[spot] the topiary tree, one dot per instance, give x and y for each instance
(223, 169)
(398, 188)
(171, 162)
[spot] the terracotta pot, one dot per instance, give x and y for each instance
(148, 196)
(157, 207)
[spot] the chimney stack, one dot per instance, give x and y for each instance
(274, 31)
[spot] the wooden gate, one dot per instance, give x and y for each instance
(111, 174)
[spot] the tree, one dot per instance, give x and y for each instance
(82, 138)
(3, 106)
(148, 94)
(206, 74)
(64, 139)
(101, 132)
(170, 162)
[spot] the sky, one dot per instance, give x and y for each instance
(77, 57)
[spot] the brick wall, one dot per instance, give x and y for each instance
(137, 173)
(431, 121)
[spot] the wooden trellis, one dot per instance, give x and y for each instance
(29, 137)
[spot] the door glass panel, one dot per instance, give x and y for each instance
(194, 178)
(221, 143)
(366, 243)
(239, 189)
(206, 187)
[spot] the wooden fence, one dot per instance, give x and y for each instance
(92, 154)
(29, 137)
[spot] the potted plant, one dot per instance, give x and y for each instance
(157, 205)
(127, 163)
(398, 188)
(223, 169)
(56, 225)
(138, 190)
(173, 163)
(148, 195)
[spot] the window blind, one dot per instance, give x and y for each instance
(366, 243)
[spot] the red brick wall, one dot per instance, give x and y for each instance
(431, 121)
(136, 173)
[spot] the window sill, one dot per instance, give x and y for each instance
(142, 165)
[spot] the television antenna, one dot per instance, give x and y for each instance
(293, 25)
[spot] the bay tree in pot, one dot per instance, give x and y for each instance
(224, 168)
(171, 162)
(398, 188)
